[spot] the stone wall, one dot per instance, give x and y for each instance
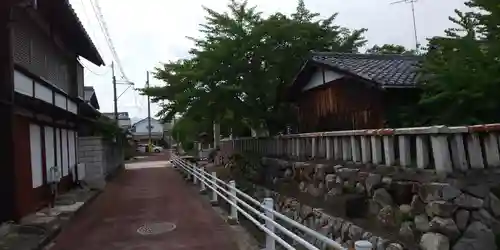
(341, 230)
(416, 208)
(100, 157)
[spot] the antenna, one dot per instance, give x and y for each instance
(412, 2)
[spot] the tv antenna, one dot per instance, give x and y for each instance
(412, 2)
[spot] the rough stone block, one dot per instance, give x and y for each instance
(434, 241)
(477, 236)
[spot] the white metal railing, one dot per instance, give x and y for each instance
(231, 194)
(446, 149)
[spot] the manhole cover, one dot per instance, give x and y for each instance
(156, 228)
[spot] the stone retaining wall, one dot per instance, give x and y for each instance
(339, 229)
(459, 213)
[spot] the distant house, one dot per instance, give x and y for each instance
(123, 119)
(140, 131)
(336, 91)
(90, 97)
(167, 132)
(42, 93)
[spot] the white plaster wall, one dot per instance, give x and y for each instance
(23, 84)
(43, 93)
(317, 78)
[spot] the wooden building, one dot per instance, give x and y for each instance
(41, 97)
(337, 91)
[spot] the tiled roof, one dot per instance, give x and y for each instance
(386, 70)
(74, 31)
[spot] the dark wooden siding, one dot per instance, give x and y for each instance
(28, 199)
(344, 104)
(42, 53)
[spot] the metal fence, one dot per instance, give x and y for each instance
(239, 204)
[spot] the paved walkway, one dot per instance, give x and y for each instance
(146, 195)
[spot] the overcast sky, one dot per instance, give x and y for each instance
(148, 32)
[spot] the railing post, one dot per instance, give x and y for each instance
(376, 149)
(458, 153)
(314, 147)
(366, 152)
(346, 149)
(278, 147)
(422, 152)
(491, 150)
(329, 148)
(363, 245)
(270, 241)
(474, 150)
(203, 188)
(389, 150)
(404, 151)
(234, 212)
(185, 171)
(441, 154)
(195, 180)
(337, 148)
(213, 201)
(297, 148)
(356, 149)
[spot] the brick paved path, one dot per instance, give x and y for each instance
(140, 196)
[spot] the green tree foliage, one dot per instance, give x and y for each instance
(187, 130)
(462, 70)
(239, 70)
(390, 49)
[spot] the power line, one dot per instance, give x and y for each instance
(89, 24)
(105, 31)
(104, 28)
(91, 71)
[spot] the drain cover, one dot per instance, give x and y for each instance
(156, 228)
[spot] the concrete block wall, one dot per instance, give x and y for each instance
(113, 157)
(91, 153)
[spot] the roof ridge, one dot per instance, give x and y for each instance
(367, 56)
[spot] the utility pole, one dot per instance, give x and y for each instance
(149, 112)
(115, 97)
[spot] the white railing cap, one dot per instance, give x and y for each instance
(436, 129)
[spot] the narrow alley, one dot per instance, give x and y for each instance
(139, 209)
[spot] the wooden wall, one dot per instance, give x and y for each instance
(344, 104)
(28, 199)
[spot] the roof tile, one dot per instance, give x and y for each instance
(387, 70)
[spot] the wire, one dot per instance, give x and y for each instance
(91, 71)
(105, 31)
(89, 24)
(124, 91)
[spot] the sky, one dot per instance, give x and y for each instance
(148, 32)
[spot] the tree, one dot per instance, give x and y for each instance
(390, 49)
(463, 70)
(240, 68)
